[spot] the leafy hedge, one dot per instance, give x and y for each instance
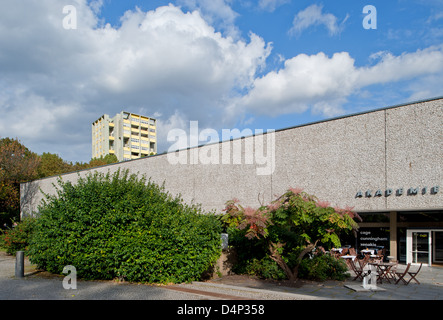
(119, 226)
(17, 238)
(323, 267)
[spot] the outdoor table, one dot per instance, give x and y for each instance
(383, 269)
(367, 251)
(336, 251)
(347, 257)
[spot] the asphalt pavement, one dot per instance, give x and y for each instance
(37, 286)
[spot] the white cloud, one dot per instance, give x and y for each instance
(304, 81)
(392, 68)
(171, 64)
(435, 17)
(215, 12)
(271, 5)
(96, 5)
(55, 82)
(324, 83)
(313, 16)
(177, 121)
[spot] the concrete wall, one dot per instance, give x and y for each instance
(391, 148)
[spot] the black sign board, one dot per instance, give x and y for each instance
(373, 238)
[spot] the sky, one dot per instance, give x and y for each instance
(267, 64)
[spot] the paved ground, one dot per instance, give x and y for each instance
(430, 288)
(36, 286)
(39, 286)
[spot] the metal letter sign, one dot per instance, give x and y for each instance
(413, 191)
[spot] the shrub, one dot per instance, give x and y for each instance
(286, 229)
(110, 226)
(323, 267)
(17, 239)
(265, 268)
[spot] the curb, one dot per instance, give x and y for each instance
(240, 291)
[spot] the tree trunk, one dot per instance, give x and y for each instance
(308, 248)
(275, 255)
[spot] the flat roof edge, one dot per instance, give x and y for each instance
(362, 112)
(273, 131)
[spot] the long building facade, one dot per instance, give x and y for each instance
(387, 164)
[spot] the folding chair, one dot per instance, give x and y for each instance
(378, 257)
(391, 274)
(358, 270)
(352, 252)
(364, 261)
(414, 274)
(402, 274)
(344, 252)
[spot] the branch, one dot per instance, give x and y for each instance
(278, 258)
(308, 248)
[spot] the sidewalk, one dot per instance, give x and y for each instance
(430, 288)
(36, 286)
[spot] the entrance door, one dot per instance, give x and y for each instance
(418, 246)
(437, 248)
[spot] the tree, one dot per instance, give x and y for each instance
(17, 164)
(102, 161)
(52, 164)
(9, 203)
(292, 226)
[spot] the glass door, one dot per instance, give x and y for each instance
(437, 248)
(418, 246)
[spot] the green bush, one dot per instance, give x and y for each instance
(252, 258)
(119, 226)
(323, 267)
(265, 268)
(17, 239)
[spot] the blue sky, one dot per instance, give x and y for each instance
(266, 64)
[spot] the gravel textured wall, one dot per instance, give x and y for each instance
(378, 153)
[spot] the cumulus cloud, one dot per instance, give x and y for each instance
(170, 64)
(391, 68)
(324, 83)
(303, 81)
(216, 12)
(313, 16)
(55, 82)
